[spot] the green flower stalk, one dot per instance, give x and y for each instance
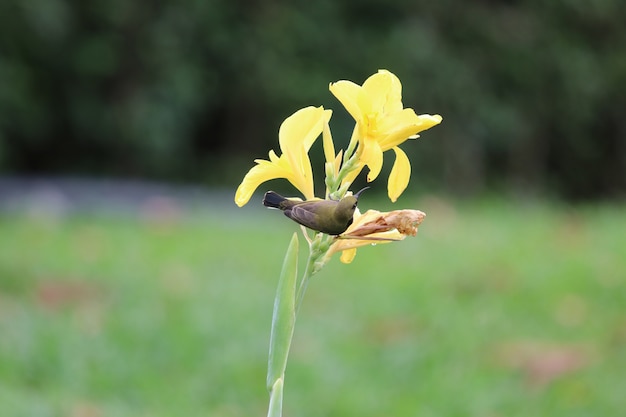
(382, 124)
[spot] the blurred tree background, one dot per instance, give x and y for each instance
(532, 92)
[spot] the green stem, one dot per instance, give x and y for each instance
(287, 303)
(317, 251)
(290, 293)
(348, 166)
(304, 282)
(283, 323)
(276, 399)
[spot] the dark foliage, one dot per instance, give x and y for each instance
(532, 93)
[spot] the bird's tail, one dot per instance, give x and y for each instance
(273, 200)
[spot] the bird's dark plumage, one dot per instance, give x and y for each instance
(273, 200)
(327, 216)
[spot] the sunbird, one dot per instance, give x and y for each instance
(327, 216)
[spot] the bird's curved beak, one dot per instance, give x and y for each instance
(360, 191)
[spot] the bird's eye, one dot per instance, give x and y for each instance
(354, 206)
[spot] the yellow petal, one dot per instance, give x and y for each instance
(372, 156)
(260, 173)
(397, 127)
(401, 126)
(302, 172)
(297, 170)
(329, 146)
(385, 92)
(399, 176)
(273, 157)
(348, 255)
(302, 128)
(426, 121)
(352, 97)
(396, 120)
(296, 136)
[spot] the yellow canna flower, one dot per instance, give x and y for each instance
(382, 123)
(375, 227)
(296, 136)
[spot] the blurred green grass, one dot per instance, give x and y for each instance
(494, 309)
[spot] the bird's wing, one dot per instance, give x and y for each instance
(303, 216)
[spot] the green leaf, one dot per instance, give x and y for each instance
(284, 316)
(276, 399)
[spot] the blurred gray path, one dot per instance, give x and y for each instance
(60, 195)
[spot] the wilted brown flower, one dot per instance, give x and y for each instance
(376, 227)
